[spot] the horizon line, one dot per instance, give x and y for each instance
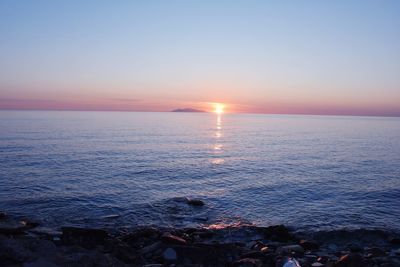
(210, 112)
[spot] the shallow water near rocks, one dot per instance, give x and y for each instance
(131, 168)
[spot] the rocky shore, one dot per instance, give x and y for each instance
(28, 244)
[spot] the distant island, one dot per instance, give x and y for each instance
(187, 110)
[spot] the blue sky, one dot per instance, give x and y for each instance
(328, 57)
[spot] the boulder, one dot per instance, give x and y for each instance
(170, 239)
(277, 233)
(170, 254)
(289, 249)
(350, 260)
(195, 202)
(309, 245)
(85, 237)
(247, 262)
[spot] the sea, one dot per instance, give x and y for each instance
(122, 169)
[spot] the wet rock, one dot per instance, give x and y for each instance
(170, 254)
(85, 237)
(41, 262)
(355, 248)
(153, 265)
(12, 227)
(309, 245)
(252, 255)
(247, 262)
(394, 241)
(317, 264)
(350, 260)
(291, 263)
(3, 215)
(170, 239)
(289, 249)
(375, 252)
(195, 202)
(111, 216)
(277, 233)
(150, 248)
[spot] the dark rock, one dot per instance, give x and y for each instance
(350, 260)
(355, 248)
(195, 202)
(150, 248)
(252, 255)
(3, 215)
(11, 227)
(247, 262)
(277, 233)
(289, 249)
(309, 245)
(394, 241)
(170, 254)
(375, 252)
(170, 239)
(85, 237)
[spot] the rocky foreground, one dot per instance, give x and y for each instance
(24, 243)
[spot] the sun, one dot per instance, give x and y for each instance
(219, 108)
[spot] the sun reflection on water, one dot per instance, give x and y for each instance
(218, 147)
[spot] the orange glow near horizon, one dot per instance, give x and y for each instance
(219, 108)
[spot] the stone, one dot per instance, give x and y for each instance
(195, 202)
(252, 255)
(394, 241)
(41, 262)
(3, 215)
(12, 227)
(170, 239)
(317, 264)
(169, 254)
(277, 233)
(247, 262)
(309, 245)
(375, 252)
(289, 249)
(150, 248)
(86, 237)
(350, 260)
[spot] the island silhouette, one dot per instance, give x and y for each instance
(187, 110)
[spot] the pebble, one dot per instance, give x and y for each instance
(170, 254)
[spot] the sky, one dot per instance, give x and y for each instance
(298, 57)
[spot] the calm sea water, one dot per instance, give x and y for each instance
(309, 172)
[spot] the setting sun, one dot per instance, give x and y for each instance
(219, 108)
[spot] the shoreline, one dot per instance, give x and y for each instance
(26, 243)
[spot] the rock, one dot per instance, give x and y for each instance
(195, 202)
(85, 237)
(111, 216)
(375, 252)
(277, 233)
(252, 255)
(169, 254)
(170, 239)
(153, 265)
(247, 262)
(355, 248)
(41, 262)
(350, 260)
(291, 263)
(11, 228)
(266, 250)
(289, 249)
(309, 245)
(397, 251)
(317, 264)
(150, 248)
(3, 215)
(395, 241)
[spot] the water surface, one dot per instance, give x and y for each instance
(309, 172)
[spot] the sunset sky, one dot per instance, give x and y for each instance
(301, 57)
